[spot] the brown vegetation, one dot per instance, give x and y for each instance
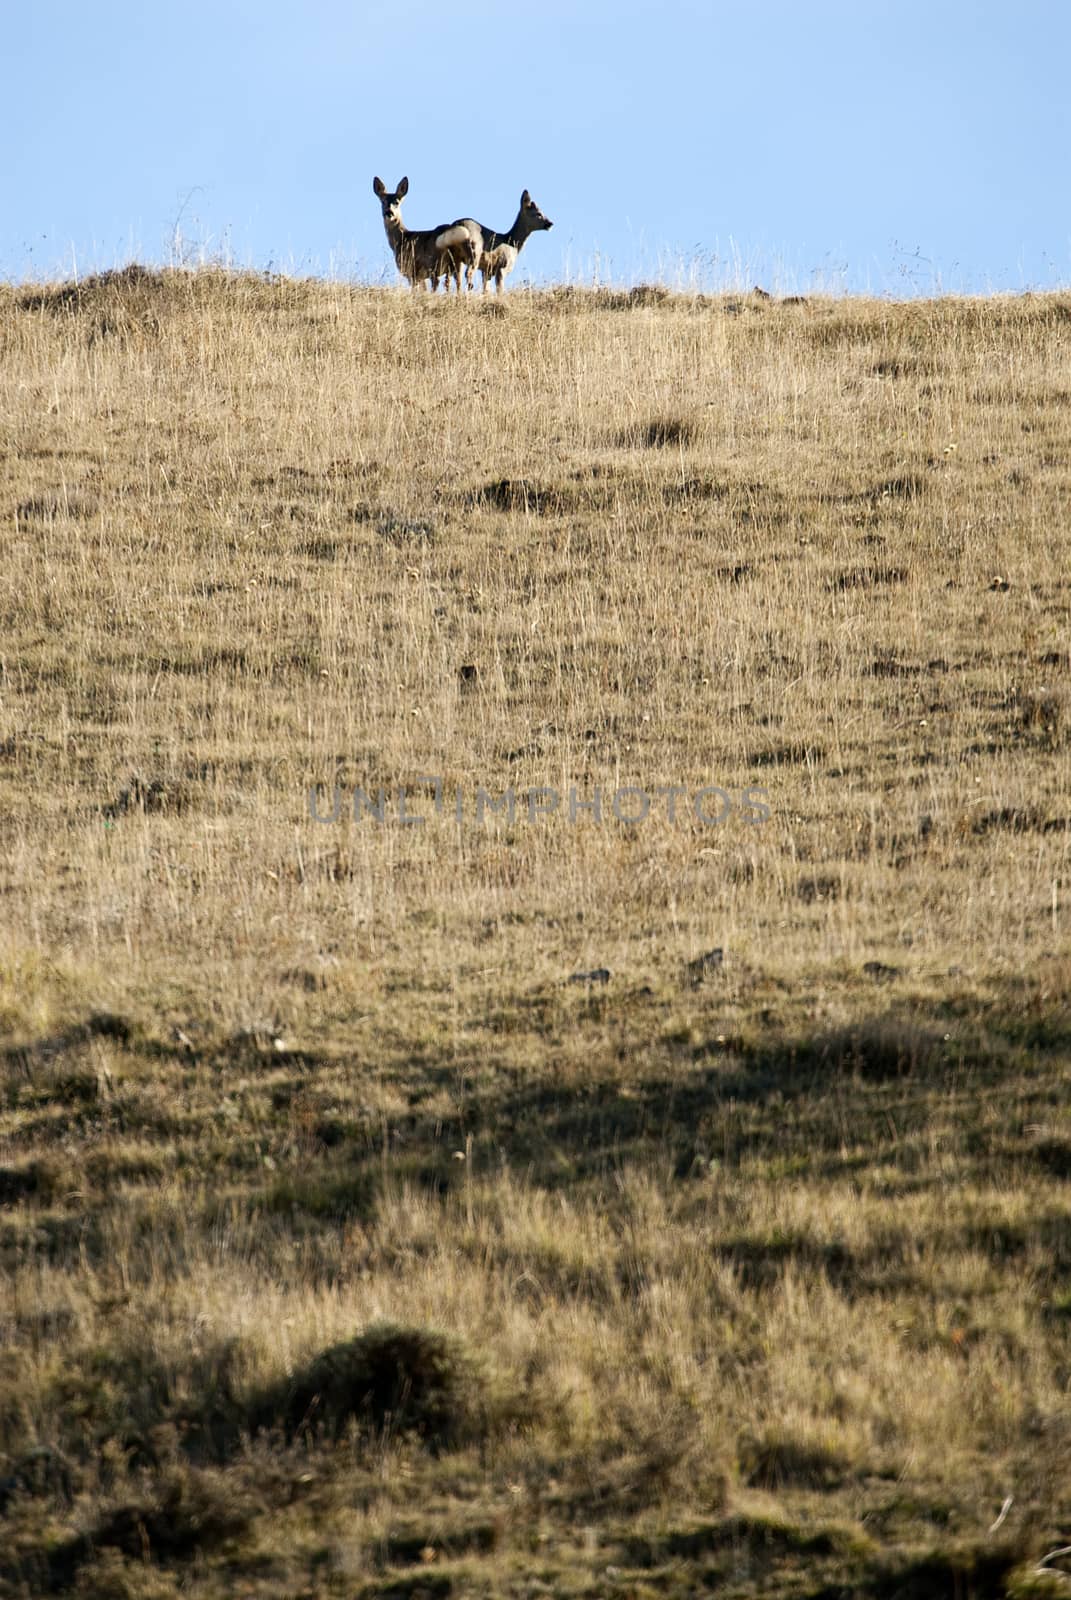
(349, 1248)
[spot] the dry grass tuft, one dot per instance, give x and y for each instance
(387, 1378)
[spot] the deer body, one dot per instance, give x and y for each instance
(428, 254)
(499, 251)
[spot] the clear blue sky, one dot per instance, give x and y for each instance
(897, 146)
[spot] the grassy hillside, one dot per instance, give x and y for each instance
(428, 1209)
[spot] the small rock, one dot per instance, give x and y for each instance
(599, 975)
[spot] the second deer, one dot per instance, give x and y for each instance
(499, 251)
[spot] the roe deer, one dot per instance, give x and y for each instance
(500, 250)
(429, 253)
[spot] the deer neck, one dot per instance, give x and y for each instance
(397, 232)
(520, 231)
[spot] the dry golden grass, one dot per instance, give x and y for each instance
(752, 1276)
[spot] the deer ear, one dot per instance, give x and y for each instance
(378, 188)
(403, 188)
(526, 198)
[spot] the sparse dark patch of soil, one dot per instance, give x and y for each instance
(392, 526)
(322, 550)
(663, 432)
(1052, 1155)
(402, 531)
(225, 658)
(48, 1051)
(425, 1585)
(1009, 819)
(880, 972)
(328, 1193)
(786, 755)
(534, 748)
(909, 486)
(868, 578)
(336, 865)
(818, 888)
(699, 489)
(1040, 708)
(38, 1473)
(883, 1049)
(251, 1045)
(888, 666)
(406, 1546)
(760, 1536)
(971, 1571)
(110, 1025)
(760, 1263)
(771, 1462)
(47, 507)
(54, 1323)
(149, 797)
(516, 494)
(37, 1181)
(331, 1133)
(303, 978)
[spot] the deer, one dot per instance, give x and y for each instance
(428, 253)
(499, 251)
